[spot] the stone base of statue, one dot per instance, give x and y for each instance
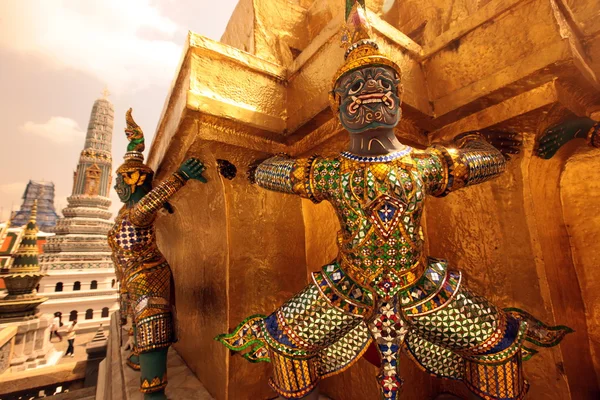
(32, 347)
(7, 345)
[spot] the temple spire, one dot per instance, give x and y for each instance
(93, 174)
(26, 257)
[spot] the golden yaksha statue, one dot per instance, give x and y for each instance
(383, 288)
(143, 273)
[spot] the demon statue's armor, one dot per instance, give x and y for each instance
(143, 273)
(383, 288)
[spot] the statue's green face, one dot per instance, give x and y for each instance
(369, 99)
(123, 190)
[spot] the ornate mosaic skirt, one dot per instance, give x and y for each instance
(447, 330)
(149, 290)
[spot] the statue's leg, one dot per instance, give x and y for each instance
(294, 378)
(388, 330)
(486, 338)
(305, 339)
(314, 395)
(433, 359)
(489, 379)
(133, 361)
(149, 296)
(154, 374)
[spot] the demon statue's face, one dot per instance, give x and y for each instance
(132, 184)
(123, 189)
(368, 99)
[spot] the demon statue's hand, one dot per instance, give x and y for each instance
(508, 143)
(226, 169)
(555, 137)
(192, 168)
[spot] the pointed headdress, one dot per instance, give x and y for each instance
(361, 47)
(133, 170)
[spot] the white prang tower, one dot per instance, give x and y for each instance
(81, 277)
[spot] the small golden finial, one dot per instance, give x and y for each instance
(33, 216)
(105, 93)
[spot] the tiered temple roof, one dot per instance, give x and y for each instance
(43, 192)
(10, 239)
(23, 275)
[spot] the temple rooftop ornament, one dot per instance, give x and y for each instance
(23, 276)
(19, 309)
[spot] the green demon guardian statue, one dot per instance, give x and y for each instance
(382, 287)
(143, 273)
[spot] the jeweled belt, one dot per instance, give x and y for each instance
(150, 255)
(405, 277)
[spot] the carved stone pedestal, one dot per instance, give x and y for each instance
(32, 346)
(7, 344)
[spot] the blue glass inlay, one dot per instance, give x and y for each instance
(386, 212)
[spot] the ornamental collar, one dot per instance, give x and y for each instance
(377, 159)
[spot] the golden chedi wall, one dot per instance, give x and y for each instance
(528, 239)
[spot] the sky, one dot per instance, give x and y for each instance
(56, 58)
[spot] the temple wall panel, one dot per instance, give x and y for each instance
(580, 195)
(320, 13)
(310, 85)
(547, 222)
(279, 21)
(584, 14)
(497, 47)
(260, 225)
(194, 241)
(239, 32)
(424, 20)
(257, 93)
(276, 30)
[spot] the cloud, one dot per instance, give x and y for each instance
(57, 129)
(126, 44)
